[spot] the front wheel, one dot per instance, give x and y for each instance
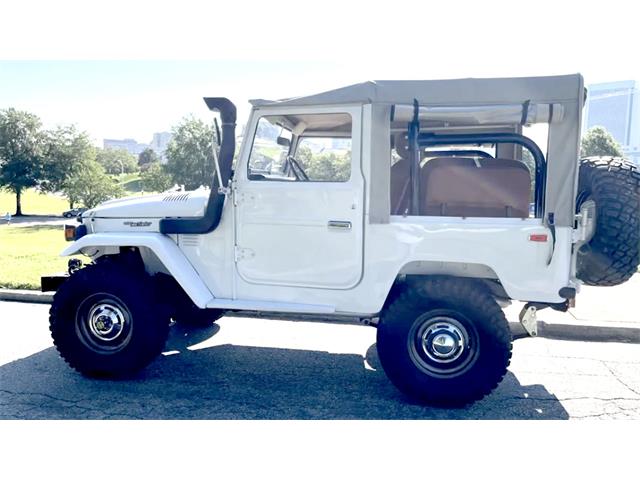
(105, 321)
(444, 342)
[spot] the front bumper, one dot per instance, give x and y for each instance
(51, 283)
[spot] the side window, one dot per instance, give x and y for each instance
(302, 148)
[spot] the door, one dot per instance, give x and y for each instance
(300, 196)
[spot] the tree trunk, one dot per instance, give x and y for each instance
(18, 202)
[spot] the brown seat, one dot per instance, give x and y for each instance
(464, 187)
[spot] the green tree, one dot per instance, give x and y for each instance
(21, 145)
(189, 154)
(155, 179)
(91, 185)
(116, 161)
(598, 142)
(147, 157)
(66, 153)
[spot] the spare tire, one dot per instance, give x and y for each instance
(611, 187)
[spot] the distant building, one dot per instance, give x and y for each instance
(128, 144)
(159, 144)
(616, 107)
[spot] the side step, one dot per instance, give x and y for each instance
(262, 306)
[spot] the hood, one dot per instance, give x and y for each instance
(171, 204)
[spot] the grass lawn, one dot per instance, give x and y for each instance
(130, 182)
(26, 253)
(132, 186)
(33, 203)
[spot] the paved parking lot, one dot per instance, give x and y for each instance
(248, 368)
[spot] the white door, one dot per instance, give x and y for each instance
(299, 218)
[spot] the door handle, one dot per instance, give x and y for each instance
(339, 224)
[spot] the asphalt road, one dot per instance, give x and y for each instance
(249, 368)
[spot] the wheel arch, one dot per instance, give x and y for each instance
(453, 269)
(155, 250)
(415, 272)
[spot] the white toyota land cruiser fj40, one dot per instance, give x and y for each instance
(419, 207)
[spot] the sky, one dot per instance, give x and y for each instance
(128, 71)
(135, 98)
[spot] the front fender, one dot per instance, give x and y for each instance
(162, 246)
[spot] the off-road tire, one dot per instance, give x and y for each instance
(198, 317)
(126, 299)
(612, 255)
(471, 310)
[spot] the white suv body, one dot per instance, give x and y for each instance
(313, 247)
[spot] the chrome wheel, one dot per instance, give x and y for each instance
(103, 323)
(442, 345)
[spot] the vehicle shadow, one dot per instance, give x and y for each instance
(241, 382)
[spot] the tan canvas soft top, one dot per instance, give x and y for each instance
(558, 98)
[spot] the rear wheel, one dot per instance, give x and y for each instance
(104, 321)
(444, 342)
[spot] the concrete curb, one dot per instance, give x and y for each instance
(26, 296)
(580, 332)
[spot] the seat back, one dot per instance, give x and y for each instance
(464, 187)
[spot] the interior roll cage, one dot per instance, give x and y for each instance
(419, 140)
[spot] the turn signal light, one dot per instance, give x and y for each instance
(69, 233)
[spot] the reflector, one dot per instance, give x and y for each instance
(538, 237)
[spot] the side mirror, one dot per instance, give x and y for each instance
(285, 142)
